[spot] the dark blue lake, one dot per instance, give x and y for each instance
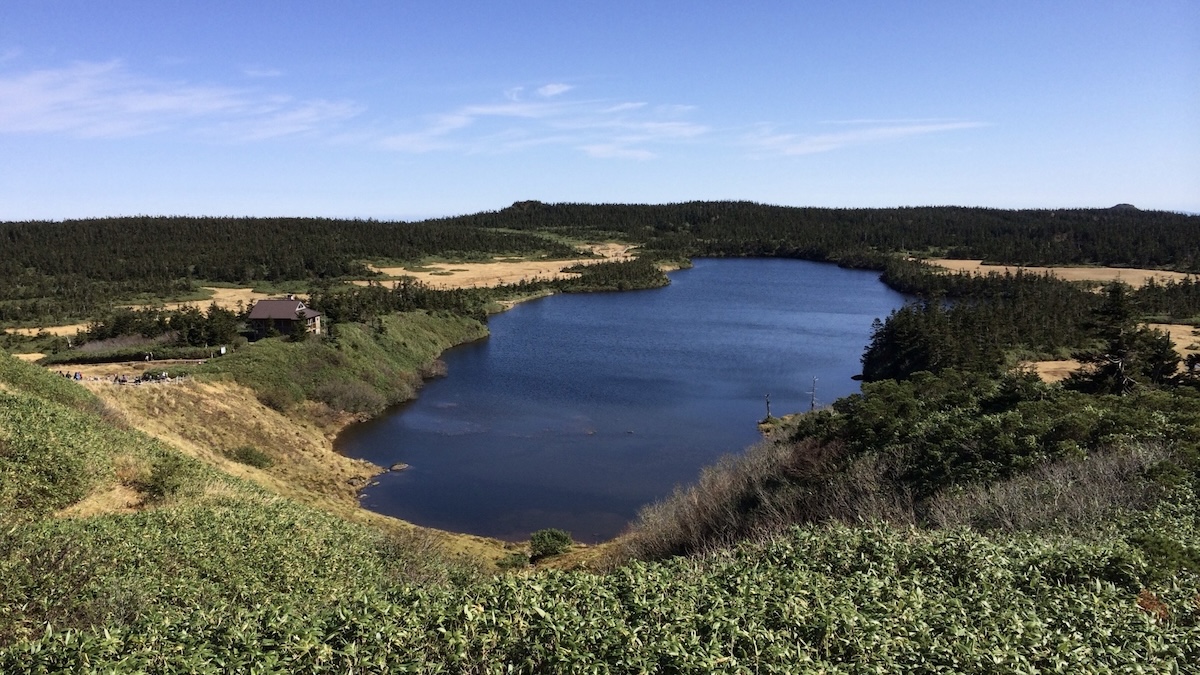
(581, 409)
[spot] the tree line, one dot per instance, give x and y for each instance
(982, 323)
(1122, 236)
(70, 270)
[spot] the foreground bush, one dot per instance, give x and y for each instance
(839, 599)
(250, 456)
(549, 542)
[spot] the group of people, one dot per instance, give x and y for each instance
(144, 377)
(122, 379)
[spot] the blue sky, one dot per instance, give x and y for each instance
(418, 109)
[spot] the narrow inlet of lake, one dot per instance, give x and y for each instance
(581, 409)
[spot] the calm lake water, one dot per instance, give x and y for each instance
(581, 409)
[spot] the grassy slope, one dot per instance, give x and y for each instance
(836, 599)
(197, 537)
(213, 573)
(369, 366)
(220, 409)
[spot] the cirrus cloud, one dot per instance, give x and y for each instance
(597, 128)
(553, 89)
(107, 100)
(864, 132)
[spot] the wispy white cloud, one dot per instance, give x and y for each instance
(616, 151)
(867, 121)
(553, 89)
(625, 130)
(107, 100)
(624, 107)
(289, 119)
(865, 132)
(255, 71)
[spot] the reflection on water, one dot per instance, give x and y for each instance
(580, 409)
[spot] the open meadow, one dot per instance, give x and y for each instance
(501, 271)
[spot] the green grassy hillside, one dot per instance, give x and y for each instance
(214, 574)
(198, 537)
(816, 599)
(359, 368)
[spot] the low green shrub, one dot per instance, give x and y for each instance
(817, 599)
(358, 368)
(131, 354)
(352, 396)
(50, 455)
(173, 476)
(250, 456)
(513, 561)
(548, 542)
(279, 399)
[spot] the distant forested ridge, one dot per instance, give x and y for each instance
(1121, 236)
(242, 249)
(71, 269)
(54, 271)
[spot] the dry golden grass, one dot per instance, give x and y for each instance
(205, 418)
(111, 499)
(1055, 371)
(226, 298)
(69, 329)
(1131, 276)
(1185, 337)
(501, 271)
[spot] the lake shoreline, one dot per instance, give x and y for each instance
(606, 420)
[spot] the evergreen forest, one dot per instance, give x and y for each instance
(959, 514)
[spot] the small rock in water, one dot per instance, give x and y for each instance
(399, 466)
